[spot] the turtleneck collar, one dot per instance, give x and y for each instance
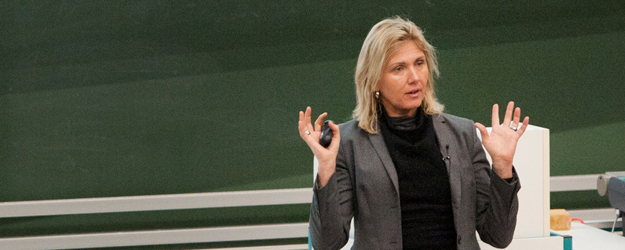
(402, 123)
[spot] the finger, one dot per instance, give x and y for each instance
(304, 124)
(302, 118)
(319, 121)
(521, 130)
(515, 120)
(482, 130)
(495, 116)
(307, 114)
(301, 126)
(508, 116)
(300, 121)
(307, 119)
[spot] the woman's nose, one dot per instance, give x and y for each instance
(412, 75)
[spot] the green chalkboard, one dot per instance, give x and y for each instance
(101, 99)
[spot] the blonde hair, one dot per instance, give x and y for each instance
(378, 46)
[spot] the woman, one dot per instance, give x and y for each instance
(411, 176)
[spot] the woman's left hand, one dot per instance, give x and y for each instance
(502, 141)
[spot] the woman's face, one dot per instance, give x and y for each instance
(403, 80)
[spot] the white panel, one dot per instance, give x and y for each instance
(157, 237)
(156, 202)
(596, 214)
(547, 184)
(574, 182)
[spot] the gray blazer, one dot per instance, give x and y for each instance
(365, 187)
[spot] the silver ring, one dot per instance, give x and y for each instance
(307, 132)
(513, 128)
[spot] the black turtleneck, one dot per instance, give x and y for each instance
(425, 194)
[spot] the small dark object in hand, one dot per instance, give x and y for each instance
(326, 135)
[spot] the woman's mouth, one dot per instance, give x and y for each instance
(414, 93)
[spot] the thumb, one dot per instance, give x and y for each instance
(336, 137)
(482, 129)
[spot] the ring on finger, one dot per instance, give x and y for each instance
(307, 132)
(513, 127)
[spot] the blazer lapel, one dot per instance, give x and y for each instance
(380, 147)
(447, 145)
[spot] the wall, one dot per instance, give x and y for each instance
(155, 97)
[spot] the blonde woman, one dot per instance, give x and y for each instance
(411, 176)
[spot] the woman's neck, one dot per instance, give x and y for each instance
(403, 123)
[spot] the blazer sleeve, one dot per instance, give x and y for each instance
(331, 210)
(497, 203)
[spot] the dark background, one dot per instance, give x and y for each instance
(122, 98)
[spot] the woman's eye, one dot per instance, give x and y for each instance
(397, 69)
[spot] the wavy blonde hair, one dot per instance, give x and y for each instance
(378, 46)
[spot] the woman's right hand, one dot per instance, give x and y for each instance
(310, 134)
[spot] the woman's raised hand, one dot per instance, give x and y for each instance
(310, 134)
(502, 141)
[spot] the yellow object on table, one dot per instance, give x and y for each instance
(560, 219)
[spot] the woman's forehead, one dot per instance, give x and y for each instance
(406, 50)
